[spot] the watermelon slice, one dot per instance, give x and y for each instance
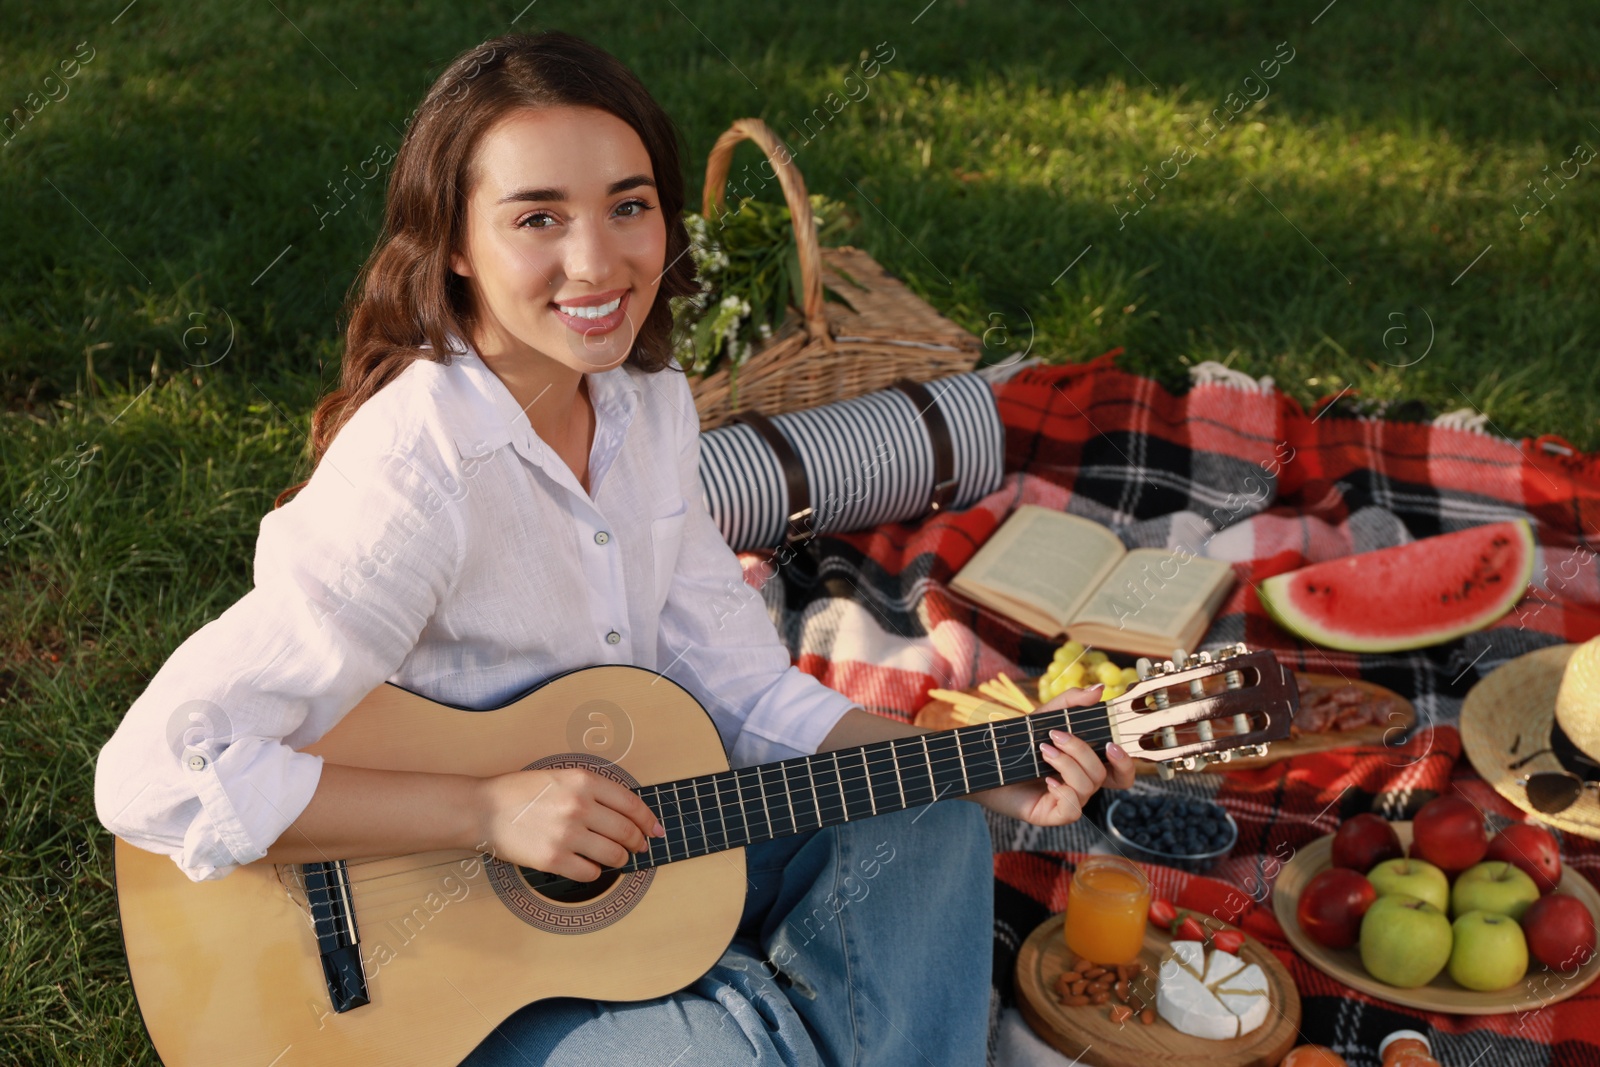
(1406, 596)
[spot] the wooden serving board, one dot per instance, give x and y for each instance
(1540, 987)
(1087, 1034)
(938, 715)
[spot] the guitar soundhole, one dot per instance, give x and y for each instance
(566, 890)
(560, 905)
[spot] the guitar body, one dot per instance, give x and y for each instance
(451, 943)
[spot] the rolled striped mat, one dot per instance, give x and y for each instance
(867, 460)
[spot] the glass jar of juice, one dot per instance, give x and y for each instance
(1108, 905)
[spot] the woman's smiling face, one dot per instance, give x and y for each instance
(563, 222)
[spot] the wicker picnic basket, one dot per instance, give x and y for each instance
(826, 351)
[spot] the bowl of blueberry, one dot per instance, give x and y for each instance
(1177, 831)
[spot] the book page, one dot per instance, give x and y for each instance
(1047, 559)
(1156, 591)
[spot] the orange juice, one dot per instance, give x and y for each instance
(1108, 905)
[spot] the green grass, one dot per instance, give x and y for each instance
(145, 213)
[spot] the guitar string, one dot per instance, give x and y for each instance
(1009, 724)
(939, 762)
(370, 909)
(850, 778)
(726, 800)
(936, 764)
(373, 910)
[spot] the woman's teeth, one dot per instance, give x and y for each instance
(599, 311)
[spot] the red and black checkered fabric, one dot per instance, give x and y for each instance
(1247, 476)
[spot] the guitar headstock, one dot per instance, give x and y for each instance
(1188, 710)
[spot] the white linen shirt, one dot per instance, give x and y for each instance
(442, 546)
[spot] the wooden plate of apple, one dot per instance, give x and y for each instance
(1541, 985)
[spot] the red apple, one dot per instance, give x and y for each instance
(1364, 841)
(1332, 904)
(1532, 849)
(1560, 931)
(1448, 832)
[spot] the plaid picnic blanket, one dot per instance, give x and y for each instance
(1233, 470)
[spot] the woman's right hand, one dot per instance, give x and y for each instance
(566, 821)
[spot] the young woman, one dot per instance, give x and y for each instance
(506, 488)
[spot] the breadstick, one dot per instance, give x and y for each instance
(1003, 690)
(1023, 703)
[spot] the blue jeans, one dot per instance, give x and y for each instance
(863, 944)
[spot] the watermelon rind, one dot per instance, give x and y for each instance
(1274, 597)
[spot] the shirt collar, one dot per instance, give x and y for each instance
(492, 418)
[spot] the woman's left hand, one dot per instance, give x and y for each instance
(1058, 799)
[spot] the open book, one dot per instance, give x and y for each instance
(1062, 574)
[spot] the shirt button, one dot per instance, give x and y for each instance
(613, 638)
(601, 538)
(197, 762)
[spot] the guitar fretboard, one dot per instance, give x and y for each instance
(746, 805)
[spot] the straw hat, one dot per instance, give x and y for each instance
(1545, 699)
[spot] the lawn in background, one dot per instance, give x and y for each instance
(1403, 215)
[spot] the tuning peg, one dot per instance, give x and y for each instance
(1144, 667)
(1182, 763)
(1180, 659)
(1166, 772)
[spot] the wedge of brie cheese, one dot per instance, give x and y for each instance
(1245, 994)
(1212, 995)
(1220, 965)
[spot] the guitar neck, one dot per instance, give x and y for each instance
(746, 805)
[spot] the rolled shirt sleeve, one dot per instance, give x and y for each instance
(718, 642)
(203, 767)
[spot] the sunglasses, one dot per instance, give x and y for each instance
(1551, 792)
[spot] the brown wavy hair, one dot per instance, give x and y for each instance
(406, 296)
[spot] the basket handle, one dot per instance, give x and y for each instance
(794, 193)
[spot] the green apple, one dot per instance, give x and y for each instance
(1490, 951)
(1404, 941)
(1495, 886)
(1413, 877)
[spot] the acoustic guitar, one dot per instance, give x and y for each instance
(410, 961)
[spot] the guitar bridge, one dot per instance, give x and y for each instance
(333, 919)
